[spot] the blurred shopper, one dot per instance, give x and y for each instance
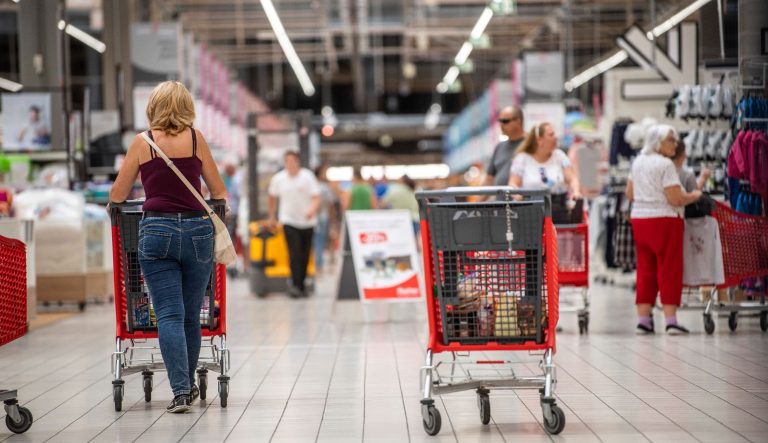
(324, 215)
(402, 195)
(687, 178)
(360, 195)
(175, 233)
(233, 180)
(511, 120)
(298, 194)
(539, 164)
(657, 226)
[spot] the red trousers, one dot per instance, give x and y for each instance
(659, 247)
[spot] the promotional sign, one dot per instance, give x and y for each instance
(384, 255)
(26, 122)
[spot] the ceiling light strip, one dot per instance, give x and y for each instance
(288, 49)
(82, 36)
(675, 19)
(463, 55)
(9, 85)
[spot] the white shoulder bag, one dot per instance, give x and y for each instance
(223, 249)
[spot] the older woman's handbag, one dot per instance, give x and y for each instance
(223, 249)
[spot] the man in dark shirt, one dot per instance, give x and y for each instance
(511, 121)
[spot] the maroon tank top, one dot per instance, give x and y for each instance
(164, 191)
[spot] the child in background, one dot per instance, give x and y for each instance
(687, 177)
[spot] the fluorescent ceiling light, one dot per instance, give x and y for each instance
(9, 85)
(451, 75)
(83, 36)
(466, 49)
(482, 22)
(463, 54)
(596, 70)
(288, 50)
(675, 19)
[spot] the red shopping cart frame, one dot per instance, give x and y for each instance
(549, 242)
(121, 303)
(744, 239)
(578, 278)
(13, 289)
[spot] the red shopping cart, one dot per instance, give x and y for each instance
(135, 317)
(744, 240)
(573, 267)
(13, 320)
(492, 270)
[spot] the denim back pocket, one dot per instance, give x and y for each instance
(154, 245)
(203, 247)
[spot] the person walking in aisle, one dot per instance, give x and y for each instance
(539, 164)
(658, 199)
(175, 233)
(511, 120)
(360, 195)
(298, 194)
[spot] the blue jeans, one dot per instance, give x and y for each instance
(176, 257)
(320, 240)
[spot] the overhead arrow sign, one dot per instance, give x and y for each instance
(676, 67)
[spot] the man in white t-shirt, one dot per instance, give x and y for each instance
(298, 193)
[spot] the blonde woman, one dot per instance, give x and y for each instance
(175, 234)
(538, 164)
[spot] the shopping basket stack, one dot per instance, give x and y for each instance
(744, 240)
(13, 320)
(492, 270)
(135, 315)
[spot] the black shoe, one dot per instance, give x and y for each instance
(179, 404)
(676, 329)
(294, 292)
(194, 393)
(643, 329)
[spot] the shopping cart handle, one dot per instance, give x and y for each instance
(469, 191)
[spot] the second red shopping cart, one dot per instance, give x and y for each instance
(492, 278)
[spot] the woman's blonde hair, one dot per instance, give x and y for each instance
(531, 141)
(170, 108)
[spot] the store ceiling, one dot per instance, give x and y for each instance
(330, 35)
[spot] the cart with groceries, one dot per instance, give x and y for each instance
(491, 274)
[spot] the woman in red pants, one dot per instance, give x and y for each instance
(657, 226)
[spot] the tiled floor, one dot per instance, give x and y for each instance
(313, 370)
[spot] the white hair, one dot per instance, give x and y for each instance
(654, 137)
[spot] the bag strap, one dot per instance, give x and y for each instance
(178, 173)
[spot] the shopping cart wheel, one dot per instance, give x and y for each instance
(583, 323)
(223, 390)
(557, 424)
(484, 404)
(709, 324)
(431, 419)
(147, 376)
(764, 321)
(202, 382)
(81, 306)
(117, 395)
(733, 321)
(21, 426)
